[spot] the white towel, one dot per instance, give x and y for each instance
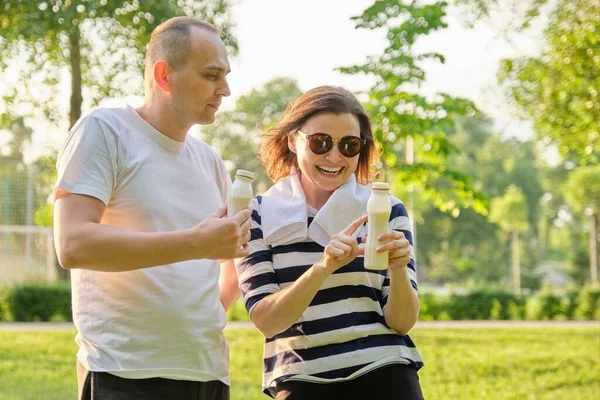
(284, 212)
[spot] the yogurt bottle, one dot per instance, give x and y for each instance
(379, 208)
(240, 193)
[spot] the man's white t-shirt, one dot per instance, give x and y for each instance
(164, 321)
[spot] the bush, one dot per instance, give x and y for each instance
(570, 302)
(3, 303)
(516, 309)
(433, 307)
(40, 302)
(493, 305)
(477, 305)
(545, 305)
(484, 304)
(50, 302)
(496, 311)
(588, 303)
(238, 312)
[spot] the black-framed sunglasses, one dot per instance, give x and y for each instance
(322, 143)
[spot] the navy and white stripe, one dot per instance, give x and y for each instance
(343, 333)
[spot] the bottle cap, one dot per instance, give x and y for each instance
(380, 186)
(244, 173)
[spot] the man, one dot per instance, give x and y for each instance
(139, 221)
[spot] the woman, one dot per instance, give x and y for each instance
(333, 330)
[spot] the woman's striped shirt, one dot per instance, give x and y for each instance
(343, 333)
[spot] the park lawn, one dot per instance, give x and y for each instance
(480, 363)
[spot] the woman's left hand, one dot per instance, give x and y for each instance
(398, 247)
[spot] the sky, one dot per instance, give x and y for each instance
(308, 39)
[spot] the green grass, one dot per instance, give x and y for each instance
(514, 363)
(37, 365)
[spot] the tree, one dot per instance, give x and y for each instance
(26, 184)
(510, 213)
(102, 43)
(457, 249)
(400, 115)
(453, 247)
(502, 162)
(46, 174)
(582, 191)
(14, 173)
(551, 205)
(522, 12)
(559, 89)
(236, 133)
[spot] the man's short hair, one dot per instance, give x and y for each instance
(170, 41)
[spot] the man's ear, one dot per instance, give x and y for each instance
(161, 76)
(291, 139)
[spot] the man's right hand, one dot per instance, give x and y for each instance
(220, 238)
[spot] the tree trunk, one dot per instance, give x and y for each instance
(516, 266)
(547, 229)
(593, 249)
(76, 102)
(75, 59)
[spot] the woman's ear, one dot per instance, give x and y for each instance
(291, 139)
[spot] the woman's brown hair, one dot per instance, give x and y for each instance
(277, 157)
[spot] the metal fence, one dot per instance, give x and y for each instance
(26, 254)
(26, 249)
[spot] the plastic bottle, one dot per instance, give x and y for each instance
(379, 208)
(240, 193)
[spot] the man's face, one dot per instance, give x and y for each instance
(198, 87)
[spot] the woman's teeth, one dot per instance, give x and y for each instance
(329, 170)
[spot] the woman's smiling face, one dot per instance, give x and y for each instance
(323, 173)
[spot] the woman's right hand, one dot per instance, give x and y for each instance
(343, 248)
